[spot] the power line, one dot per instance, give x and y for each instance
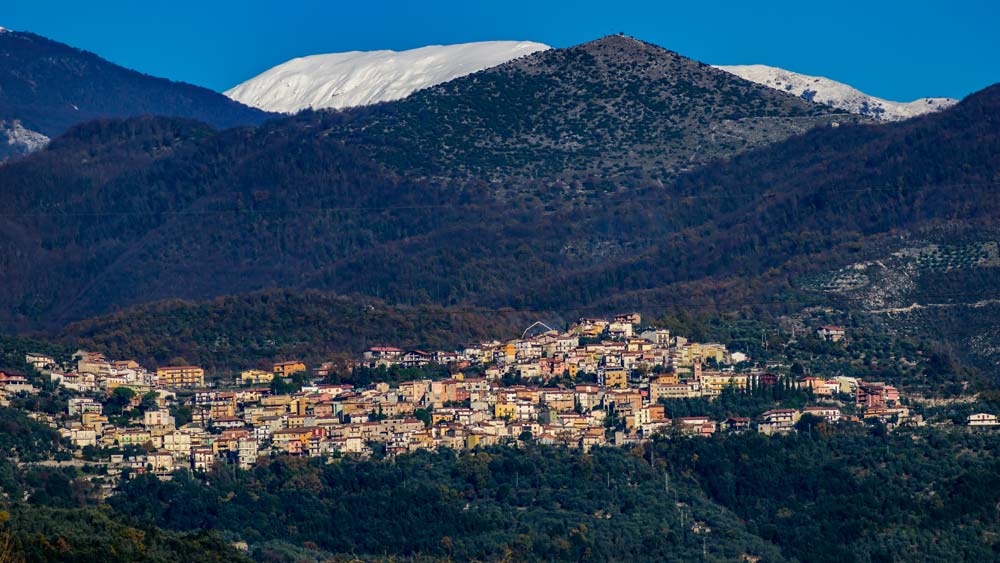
(442, 311)
(390, 208)
(667, 198)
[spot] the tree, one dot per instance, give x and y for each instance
(284, 386)
(808, 422)
(423, 415)
(182, 415)
(119, 400)
(149, 402)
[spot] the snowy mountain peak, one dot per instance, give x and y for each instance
(835, 94)
(357, 78)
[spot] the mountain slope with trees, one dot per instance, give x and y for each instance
(118, 213)
(47, 87)
(229, 333)
(614, 111)
(832, 493)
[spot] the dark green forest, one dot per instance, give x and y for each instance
(826, 493)
(830, 494)
(50, 513)
(477, 215)
(608, 177)
(243, 331)
(166, 209)
(849, 495)
(531, 505)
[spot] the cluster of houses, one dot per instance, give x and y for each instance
(600, 382)
(93, 372)
(12, 383)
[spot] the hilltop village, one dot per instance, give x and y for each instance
(601, 382)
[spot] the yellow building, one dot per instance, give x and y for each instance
(93, 420)
(510, 352)
(713, 351)
(222, 409)
(614, 377)
(284, 436)
(256, 377)
(505, 410)
(665, 379)
(286, 369)
(181, 376)
(712, 383)
(442, 416)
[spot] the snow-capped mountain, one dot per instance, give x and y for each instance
(357, 78)
(835, 94)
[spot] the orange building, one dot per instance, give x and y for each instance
(181, 376)
(286, 369)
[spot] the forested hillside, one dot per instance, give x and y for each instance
(48, 513)
(840, 496)
(119, 213)
(612, 112)
(230, 333)
(50, 86)
(540, 504)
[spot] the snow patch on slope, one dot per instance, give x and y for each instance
(835, 94)
(358, 78)
(16, 140)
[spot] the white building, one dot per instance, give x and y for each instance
(982, 419)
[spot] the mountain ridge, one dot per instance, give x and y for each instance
(611, 106)
(48, 86)
(511, 145)
(357, 78)
(361, 78)
(837, 94)
(118, 213)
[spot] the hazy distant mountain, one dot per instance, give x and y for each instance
(358, 78)
(46, 87)
(836, 94)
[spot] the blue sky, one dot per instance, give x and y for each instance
(896, 50)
